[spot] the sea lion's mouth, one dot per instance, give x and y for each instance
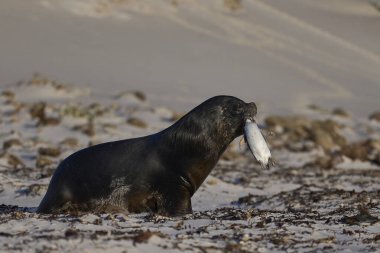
(252, 119)
(250, 112)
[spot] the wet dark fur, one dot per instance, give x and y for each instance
(157, 173)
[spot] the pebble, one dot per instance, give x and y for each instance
(43, 161)
(375, 116)
(340, 112)
(137, 122)
(49, 151)
(10, 143)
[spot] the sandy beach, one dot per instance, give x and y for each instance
(78, 73)
(284, 55)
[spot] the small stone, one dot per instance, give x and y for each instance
(273, 121)
(316, 108)
(11, 142)
(323, 139)
(142, 237)
(8, 94)
(340, 112)
(212, 181)
(18, 215)
(323, 162)
(43, 162)
(49, 151)
(136, 122)
(288, 124)
(140, 95)
(374, 144)
(13, 160)
(375, 116)
(260, 224)
(325, 134)
(37, 111)
(246, 237)
(51, 122)
(71, 233)
(356, 151)
(71, 142)
(233, 5)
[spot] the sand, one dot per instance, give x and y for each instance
(323, 193)
(282, 54)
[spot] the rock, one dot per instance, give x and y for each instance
(74, 110)
(37, 111)
(140, 95)
(13, 160)
(327, 161)
(49, 151)
(323, 162)
(295, 128)
(273, 121)
(289, 131)
(374, 145)
(375, 116)
(357, 151)
(137, 122)
(71, 142)
(135, 95)
(316, 108)
(340, 112)
(71, 233)
(87, 129)
(323, 139)
(362, 217)
(11, 142)
(144, 236)
(325, 134)
(10, 95)
(37, 79)
(233, 5)
(374, 150)
(43, 161)
(95, 110)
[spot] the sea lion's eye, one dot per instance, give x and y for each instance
(238, 108)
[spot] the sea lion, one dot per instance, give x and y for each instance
(157, 173)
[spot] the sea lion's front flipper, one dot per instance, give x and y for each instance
(177, 203)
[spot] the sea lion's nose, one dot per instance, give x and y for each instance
(250, 111)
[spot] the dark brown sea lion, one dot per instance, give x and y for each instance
(157, 173)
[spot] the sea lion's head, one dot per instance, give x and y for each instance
(219, 119)
(231, 114)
